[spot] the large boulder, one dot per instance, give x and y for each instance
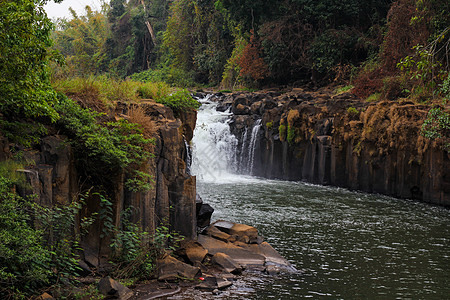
(244, 232)
(170, 269)
(204, 215)
(192, 252)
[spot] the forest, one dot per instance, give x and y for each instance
(64, 76)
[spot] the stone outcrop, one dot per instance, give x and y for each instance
(57, 179)
(339, 140)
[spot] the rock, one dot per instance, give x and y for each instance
(216, 292)
(204, 215)
(272, 257)
(85, 269)
(227, 263)
(212, 283)
(272, 270)
(240, 110)
(45, 296)
(193, 251)
(242, 256)
(240, 230)
(109, 287)
(169, 268)
(214, 232)
(255, 108)
(222, 283)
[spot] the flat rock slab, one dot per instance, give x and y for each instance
(240, 255)
(226, 263)
(271, 256)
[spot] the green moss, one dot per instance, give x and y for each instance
(290, 135)
(374, 97)
(343, 89)
(282, 132)
(352, 111)
(269, 125)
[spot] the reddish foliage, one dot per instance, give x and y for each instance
(403, 34)
(368, 83)
(251, 63)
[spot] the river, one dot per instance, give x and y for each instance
(345, 244)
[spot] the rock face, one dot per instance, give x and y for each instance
(56, 179)
(339, 140)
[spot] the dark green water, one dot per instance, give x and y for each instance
(348, 245)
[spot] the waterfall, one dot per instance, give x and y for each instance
(214, 146)
(188, 157)
(252, 146)
(217, 155)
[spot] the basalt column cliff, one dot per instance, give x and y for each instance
(339, 140)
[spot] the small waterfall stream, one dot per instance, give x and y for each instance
(251, 152)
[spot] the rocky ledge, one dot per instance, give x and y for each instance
(223, 252)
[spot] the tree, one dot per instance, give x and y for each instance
(24, 56)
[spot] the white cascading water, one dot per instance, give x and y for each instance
(252, 146)
(213, 145)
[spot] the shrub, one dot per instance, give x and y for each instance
(437, 127)
(102, 148)
(153, 90)
(179, 101)
(24, 261)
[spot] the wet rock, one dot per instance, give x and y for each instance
(204, 215)
(109, 287)
(212, 283)
(272, 270)
(224, 106)
(170, 269)
(271, 256)
(222, 283)
(226, 263)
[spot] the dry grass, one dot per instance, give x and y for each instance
(137, 115)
